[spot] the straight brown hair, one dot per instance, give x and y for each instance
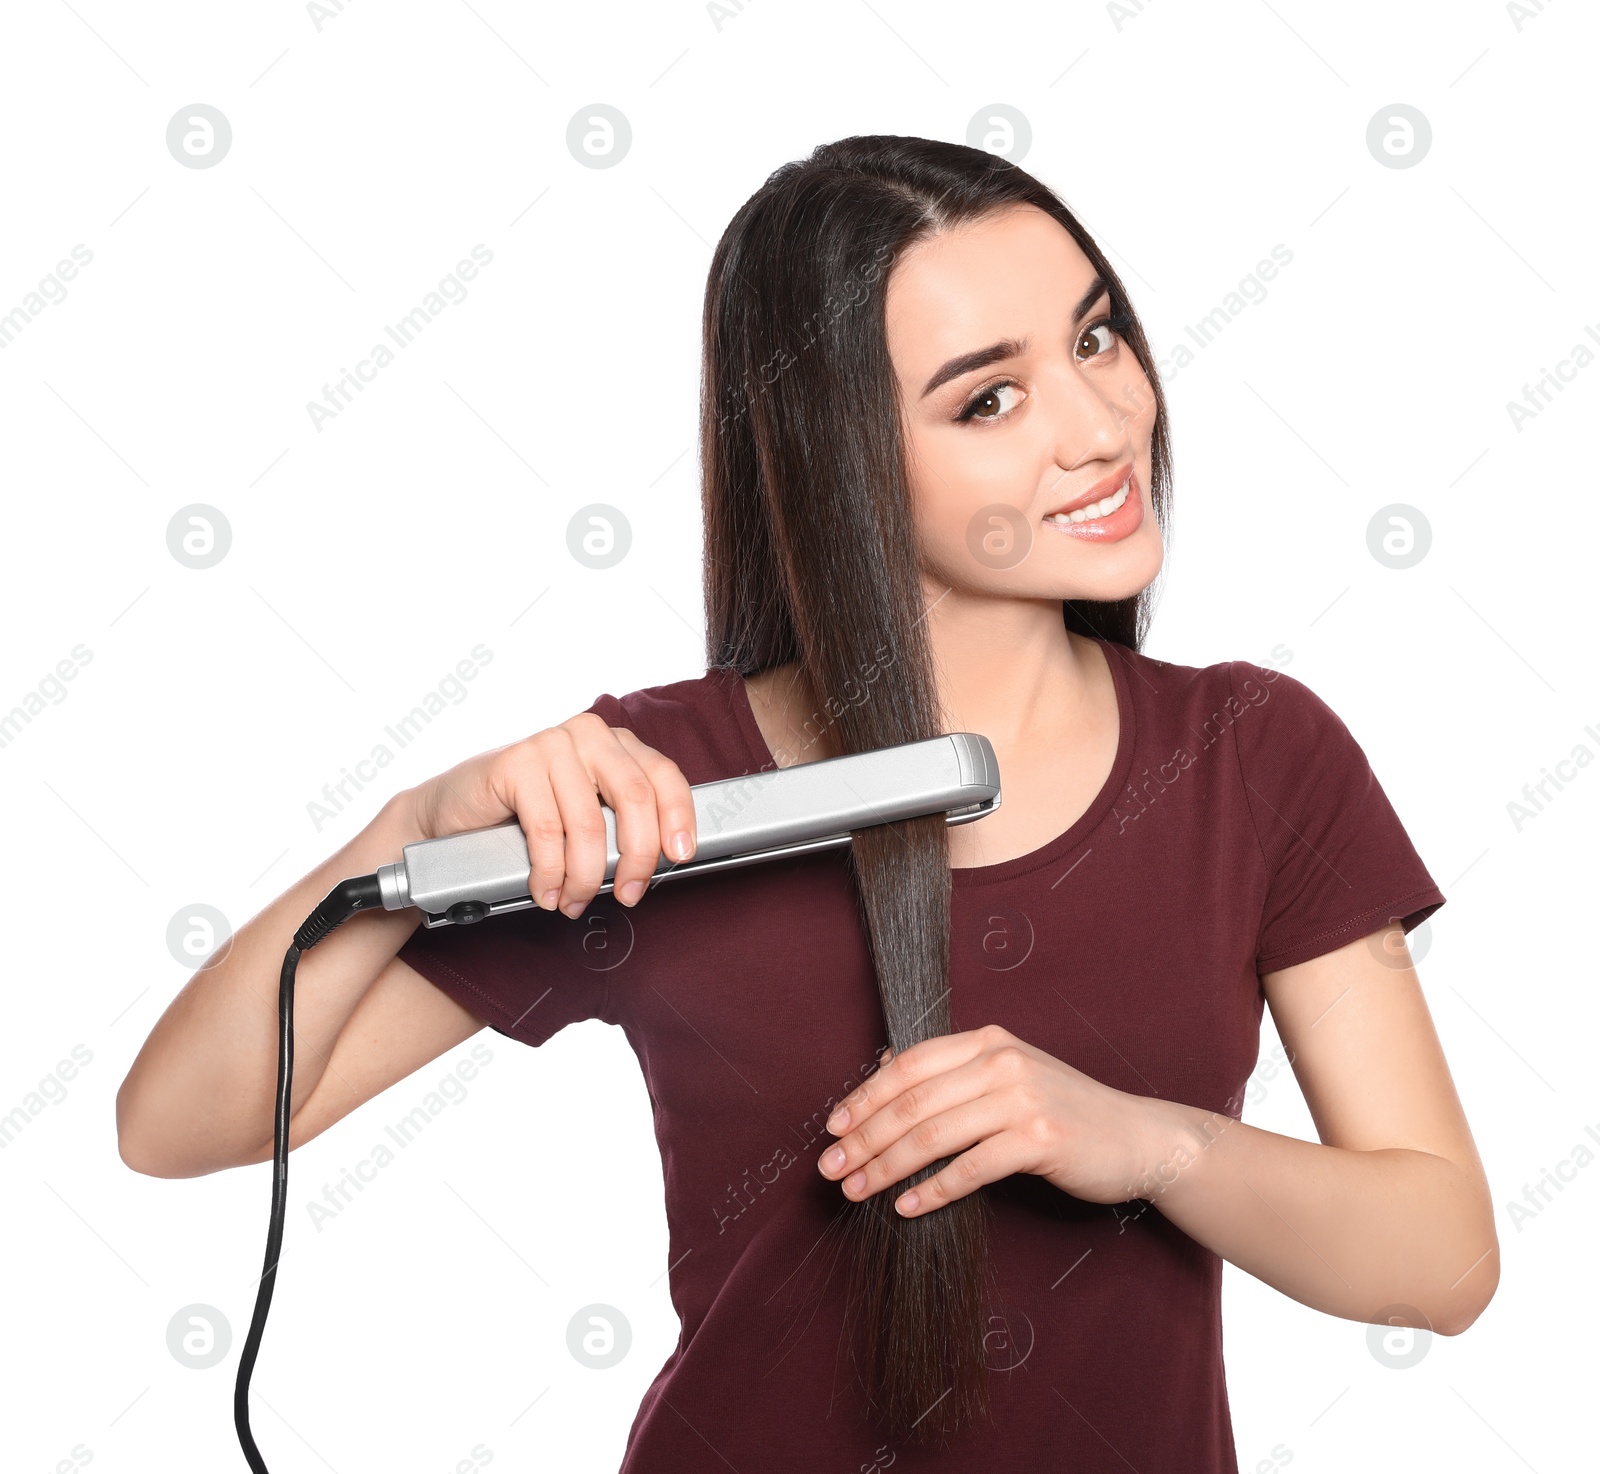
(811, 560)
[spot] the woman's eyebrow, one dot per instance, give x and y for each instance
(982, 358)
(967, 363)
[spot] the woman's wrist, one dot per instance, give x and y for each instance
(1174, 1139)
(402, 815)
(1118, 1147)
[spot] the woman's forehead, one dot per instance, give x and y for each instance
(1008, 274)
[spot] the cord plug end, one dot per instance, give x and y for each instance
(341, 903)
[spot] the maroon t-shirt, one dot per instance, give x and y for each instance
(1241, 831)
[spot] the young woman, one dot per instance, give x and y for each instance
(949, 1121)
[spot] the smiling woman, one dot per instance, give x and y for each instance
(972, 465)
(934, 499)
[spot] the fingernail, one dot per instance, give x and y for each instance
(574, 909)
(631, 892)
(680, 845)
(908, 1203)
(833, 1158)
(549, 899)
(838, 1120)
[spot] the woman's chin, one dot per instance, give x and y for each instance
(1108, 573)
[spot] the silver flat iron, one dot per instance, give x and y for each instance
(467, 877)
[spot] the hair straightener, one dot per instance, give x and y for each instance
(464, 878)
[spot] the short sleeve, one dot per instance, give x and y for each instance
(530, 973)
(527, 974)
(1339, 863)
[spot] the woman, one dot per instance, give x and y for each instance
(936, 465)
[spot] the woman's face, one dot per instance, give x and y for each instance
(1052, 419)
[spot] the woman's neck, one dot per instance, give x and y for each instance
(1007, 668)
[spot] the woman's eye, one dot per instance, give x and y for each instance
(1101, 333)
(979, 407)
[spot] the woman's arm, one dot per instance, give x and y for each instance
(199, 1096)
(1391, 1210)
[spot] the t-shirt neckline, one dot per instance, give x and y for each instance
(965, 877)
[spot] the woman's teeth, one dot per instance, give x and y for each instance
(1103, 508)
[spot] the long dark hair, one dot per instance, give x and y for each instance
(810, 559)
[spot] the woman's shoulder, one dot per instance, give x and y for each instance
(1209, 699)
(695, 721)
(1338, 861)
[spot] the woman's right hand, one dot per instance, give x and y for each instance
(552, 784)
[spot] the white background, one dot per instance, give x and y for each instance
(370, 153)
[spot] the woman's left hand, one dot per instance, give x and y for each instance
(1005, 1107)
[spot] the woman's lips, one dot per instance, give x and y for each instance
(1112, 526)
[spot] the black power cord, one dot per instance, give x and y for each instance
(341, 903)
